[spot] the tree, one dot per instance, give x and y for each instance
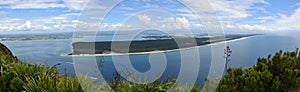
(278, 73)
(227, 52)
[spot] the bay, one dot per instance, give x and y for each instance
(245, 53)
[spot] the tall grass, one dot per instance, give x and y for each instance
(22, 76)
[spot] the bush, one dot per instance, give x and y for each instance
(19, 76)
(278, 73)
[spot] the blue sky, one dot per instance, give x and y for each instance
(64, 15)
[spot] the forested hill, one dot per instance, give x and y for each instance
(161, 43)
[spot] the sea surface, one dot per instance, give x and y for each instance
(245, 54)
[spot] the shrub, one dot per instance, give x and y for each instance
(278, 73)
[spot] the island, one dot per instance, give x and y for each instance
(150, 44)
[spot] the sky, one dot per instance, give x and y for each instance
(66, 15)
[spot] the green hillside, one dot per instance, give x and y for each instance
(5, 51)
(19, 76)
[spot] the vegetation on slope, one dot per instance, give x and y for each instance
(5, 51)
(278, 73)
(21, 76)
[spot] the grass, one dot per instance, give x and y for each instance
(22, 76)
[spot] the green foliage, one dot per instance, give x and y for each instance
(120, 85)
(6, 51)
(21, 76)
(278, 73)
(166, 85)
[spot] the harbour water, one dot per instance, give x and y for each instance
(245, 53)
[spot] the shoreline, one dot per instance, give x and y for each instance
(153, 52)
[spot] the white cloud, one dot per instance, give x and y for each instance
(2, 28)
(144, 19)
(280, 22)
(235, 9)
(285, 22)
(43, 4)
(46, 28)
(229, 26)
(166, 22)
(88, 26)
(181, 22)
(248, 27)
(170, 23)
(23, 27)
(21, 4)
(75, 4)
(228, 10)
(38, 23)
(266, 18)
(151, 6)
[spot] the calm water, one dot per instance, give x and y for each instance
(245, 53)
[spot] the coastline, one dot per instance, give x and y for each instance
(153, 52)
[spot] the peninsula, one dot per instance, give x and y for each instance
(152, 43)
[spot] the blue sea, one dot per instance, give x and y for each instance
(245, 54)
